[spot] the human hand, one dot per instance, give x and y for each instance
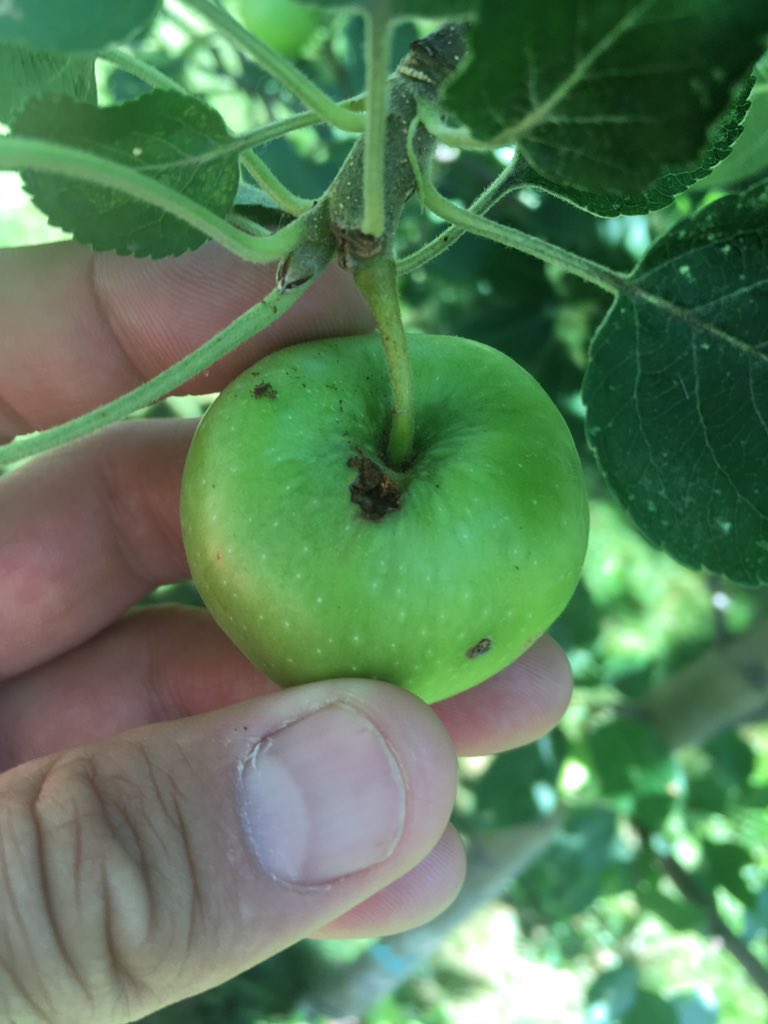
(168, 816)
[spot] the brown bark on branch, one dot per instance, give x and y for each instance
(691, 891)
(723, 687)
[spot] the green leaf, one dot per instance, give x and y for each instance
(26, 73)
(407, 8)
(749, 157)
(757, 917)
(680, 914)
(649, 1008)
(631, 758)
(520, 784)
(677, 391)
(605, 96)
(176, 139)
(698, 1007)
(78, 26)
(572, 874)
(724, 863)
(733, 759)
(253, 202)
(616, 990)
(673, 181)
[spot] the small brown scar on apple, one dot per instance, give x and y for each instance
(376, 493)
(264, 390)
(481, 647)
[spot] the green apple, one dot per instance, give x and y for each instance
(285, 25)
(320, 561)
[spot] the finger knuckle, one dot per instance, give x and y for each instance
(102, 887)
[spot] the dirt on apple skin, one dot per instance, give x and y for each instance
(264, 390)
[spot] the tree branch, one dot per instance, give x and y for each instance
(724, 686)
(692, 892)
(494, 859)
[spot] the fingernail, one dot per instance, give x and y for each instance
(324, 797)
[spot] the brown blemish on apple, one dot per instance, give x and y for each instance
(373, 489)
(481, 647)
(264, 390)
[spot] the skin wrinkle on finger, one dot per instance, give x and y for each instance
(11, 420)
(107, 313)
(80, 329)
(72, 555)
(143, 534)
(142, 329)
(155, 664)
(62, 812)
(58, 355)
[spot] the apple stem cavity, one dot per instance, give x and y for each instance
(374, 490)
(377, 280)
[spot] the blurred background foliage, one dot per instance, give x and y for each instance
(618, 867)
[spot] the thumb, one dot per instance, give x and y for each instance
(141, 870)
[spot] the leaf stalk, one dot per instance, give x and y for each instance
(240, 330)
(282, 195)
(587, 270)
(133, 65)
(18, 154)
(504, 183)
(282, 69)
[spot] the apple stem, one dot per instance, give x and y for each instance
(377, 280)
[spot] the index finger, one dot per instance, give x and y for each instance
(78, 328)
